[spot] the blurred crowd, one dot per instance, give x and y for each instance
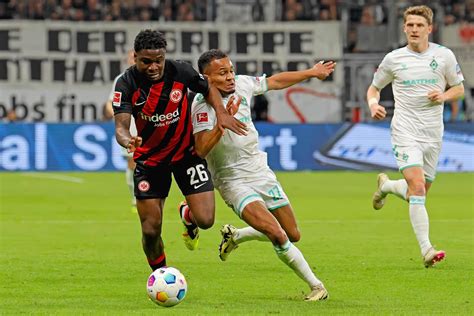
(369, 12)
(105, 10)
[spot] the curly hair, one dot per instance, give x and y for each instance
(207, 57)
(149, 39)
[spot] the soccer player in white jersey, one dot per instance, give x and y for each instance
(133, 131)
(423, 76)
(240, 171)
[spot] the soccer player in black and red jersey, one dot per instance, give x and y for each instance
(154, 91)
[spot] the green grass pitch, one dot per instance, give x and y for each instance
(71, 245)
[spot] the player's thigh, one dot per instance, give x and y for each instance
(202, 206)
(152, 182)
(256, 215)
(431, 153)
(286, 218)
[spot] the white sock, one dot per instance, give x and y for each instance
(292, 257)
(247, 234)
(130, 184)
(397, 187)
(420, 222)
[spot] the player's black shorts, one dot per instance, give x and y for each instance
(191, 175)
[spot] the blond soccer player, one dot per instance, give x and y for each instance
(423, 75)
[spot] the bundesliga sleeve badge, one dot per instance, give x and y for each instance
(116, 100)
(202, 118)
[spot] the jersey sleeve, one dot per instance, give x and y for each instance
(122, 96)
(453, 73)
(203, 115)
(111, 94)
(258, 85)
(383, 75)
(196, 81)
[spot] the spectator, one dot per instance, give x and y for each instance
(93, 11)
(185, 13)
(293, 10)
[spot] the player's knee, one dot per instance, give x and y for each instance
(151, 229)
(294, 235)
(276, 235)
(418, 188)
(205, 223)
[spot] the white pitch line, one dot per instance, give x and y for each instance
(126, 221)
(54, 177)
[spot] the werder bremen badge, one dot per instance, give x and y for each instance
(434, 64)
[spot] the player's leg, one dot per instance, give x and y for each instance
(386, 186)
(194, 180)
(398, 187)
(418, 214)
(237, 194)
(129, 179)
(430, 161)
(256, 215)
(287, 220)
(151, 189)
(268, 189)
(201, 208)
(129, 176)
(150, 212)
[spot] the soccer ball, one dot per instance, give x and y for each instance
(166, 286)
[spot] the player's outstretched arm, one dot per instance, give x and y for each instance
(377, 112)
(282, 80)
(204, 141)
(122, 132)
(224, 119)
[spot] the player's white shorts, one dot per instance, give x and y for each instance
(411, 153)
(260, 187)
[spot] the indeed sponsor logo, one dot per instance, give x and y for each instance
(161, 119)
(419, 81)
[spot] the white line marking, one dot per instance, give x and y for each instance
(135, 219)
(54, 177)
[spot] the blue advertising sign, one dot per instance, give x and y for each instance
(92, 147)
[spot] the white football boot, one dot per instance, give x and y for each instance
(227, 244)
(378, 199)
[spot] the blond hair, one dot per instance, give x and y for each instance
(420, 10)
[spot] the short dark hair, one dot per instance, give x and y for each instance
(149, 39)
(207, 57)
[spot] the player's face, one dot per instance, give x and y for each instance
(417, 31)
(221, 75)
(151, 62)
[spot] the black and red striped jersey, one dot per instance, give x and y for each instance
(161, 110)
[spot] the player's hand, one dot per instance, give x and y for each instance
(436, 96)
(225, 120)
(134, 143)
(232, 106)
(322, 69)
(377, 112)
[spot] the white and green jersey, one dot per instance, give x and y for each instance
(413, 75)
(234, 156)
